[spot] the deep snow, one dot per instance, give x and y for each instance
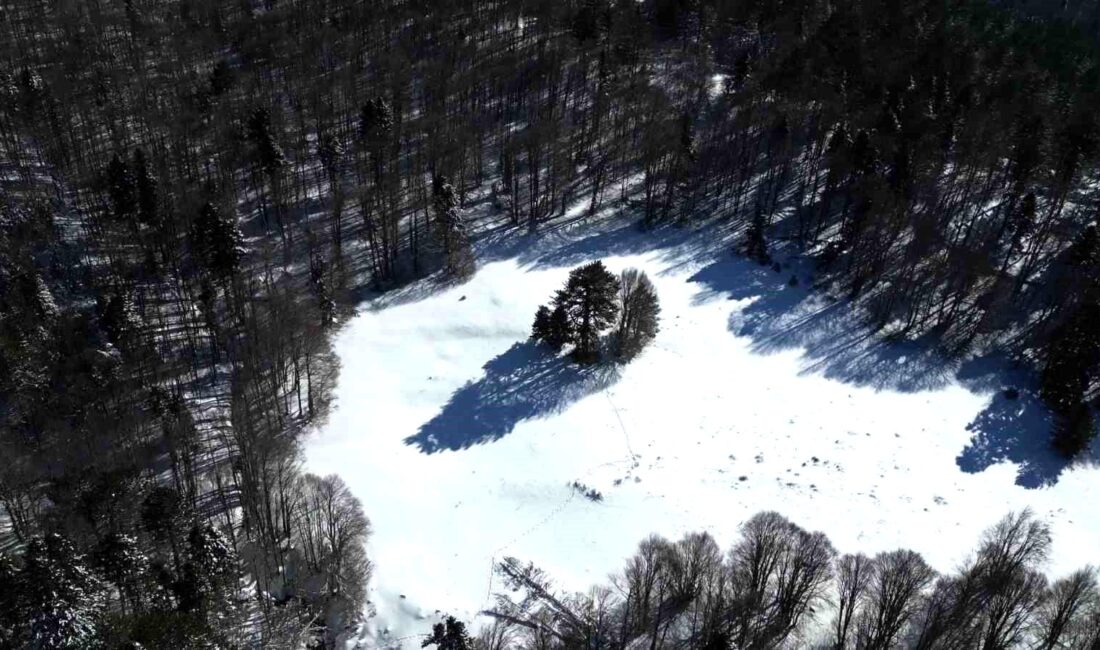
(463, 439)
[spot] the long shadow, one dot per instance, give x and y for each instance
(526, 382)
(1016, 431)
(837, 343)
(830, 332)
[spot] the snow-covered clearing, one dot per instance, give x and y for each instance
(463, 439)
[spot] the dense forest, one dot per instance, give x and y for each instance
(194, 193)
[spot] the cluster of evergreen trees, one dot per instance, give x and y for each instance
(593, 300)
(781, 586)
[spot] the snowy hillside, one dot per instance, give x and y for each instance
(463, 439)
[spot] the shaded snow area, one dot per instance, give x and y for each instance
(464, 440)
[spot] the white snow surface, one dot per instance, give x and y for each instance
(463, 439)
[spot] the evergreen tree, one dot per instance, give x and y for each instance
(325, 304)
(9, 612)
(209, 582)
(269, 155)
(122, 190)
(449, 635)
(118, 558)
(755, 246)
(1071, 360)
(217, 242)
(162, 513)
(540, 330)
(375, 120)
(331, 153)
(589, 301)
(147, 209)
(458, 259)
(60, 599)
(560, 332)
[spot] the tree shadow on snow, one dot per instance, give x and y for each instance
(838, 344)
(1016, 431)
(835, 341)
(526, 382)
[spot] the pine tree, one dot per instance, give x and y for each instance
(540, 330)
(755, 246)
(122, 190)
(209, 581)
(217, 242)
(162, 516)
(1071, 359)
(331, 153)
(560, 332)
(60, 599)
(638, 320)
(375, 120)
(325, 304)
(589, 303)
(120, 560)
(449, 635)
(147, 209)
(450, 229)
(269, 155)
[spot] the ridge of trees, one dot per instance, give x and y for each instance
(779, 585)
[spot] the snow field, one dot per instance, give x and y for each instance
(463, 440)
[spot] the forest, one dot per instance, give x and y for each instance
(195, 194)
(779, 585)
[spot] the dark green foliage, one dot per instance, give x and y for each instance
(122, 190)
(326, 306)
(147, 207)
(449, 635)
(1072, 357)
(330, 152)
(375, 120)
(217, 242)
(9, 614)
(450, 229)
(162, 513)
(59, 599)
(552, 327)
(119, 558)
(755, 245)
(589, 303)
(118, 318)
(269, 155)
(208, 583)
(560, 333)
(540, 330)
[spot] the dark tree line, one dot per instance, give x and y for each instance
(781, 586)
(192, 190)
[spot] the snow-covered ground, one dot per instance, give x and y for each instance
(463, 439)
